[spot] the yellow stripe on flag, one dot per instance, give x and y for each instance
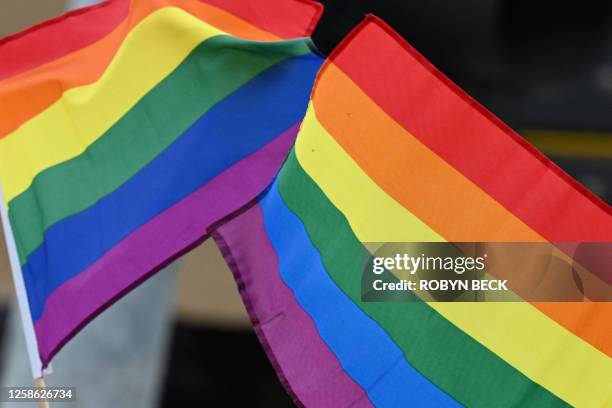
(150, 52)
(517, 332)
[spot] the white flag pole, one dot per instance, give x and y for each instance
(22, 297)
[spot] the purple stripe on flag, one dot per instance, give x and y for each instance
(306, 366)
(156, 244)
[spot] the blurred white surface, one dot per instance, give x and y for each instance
(117, 361)
(72, 4)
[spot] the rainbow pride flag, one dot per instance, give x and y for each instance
(128, 129)
(391, 151)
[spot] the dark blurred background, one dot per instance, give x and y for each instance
(544, 67)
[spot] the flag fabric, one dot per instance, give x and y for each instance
(390, 150)
(149, 122)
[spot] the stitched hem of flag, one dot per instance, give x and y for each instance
(246, 300)
(537, 154)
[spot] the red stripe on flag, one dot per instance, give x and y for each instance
(285, 18)
(469, 137)
(67, 33)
